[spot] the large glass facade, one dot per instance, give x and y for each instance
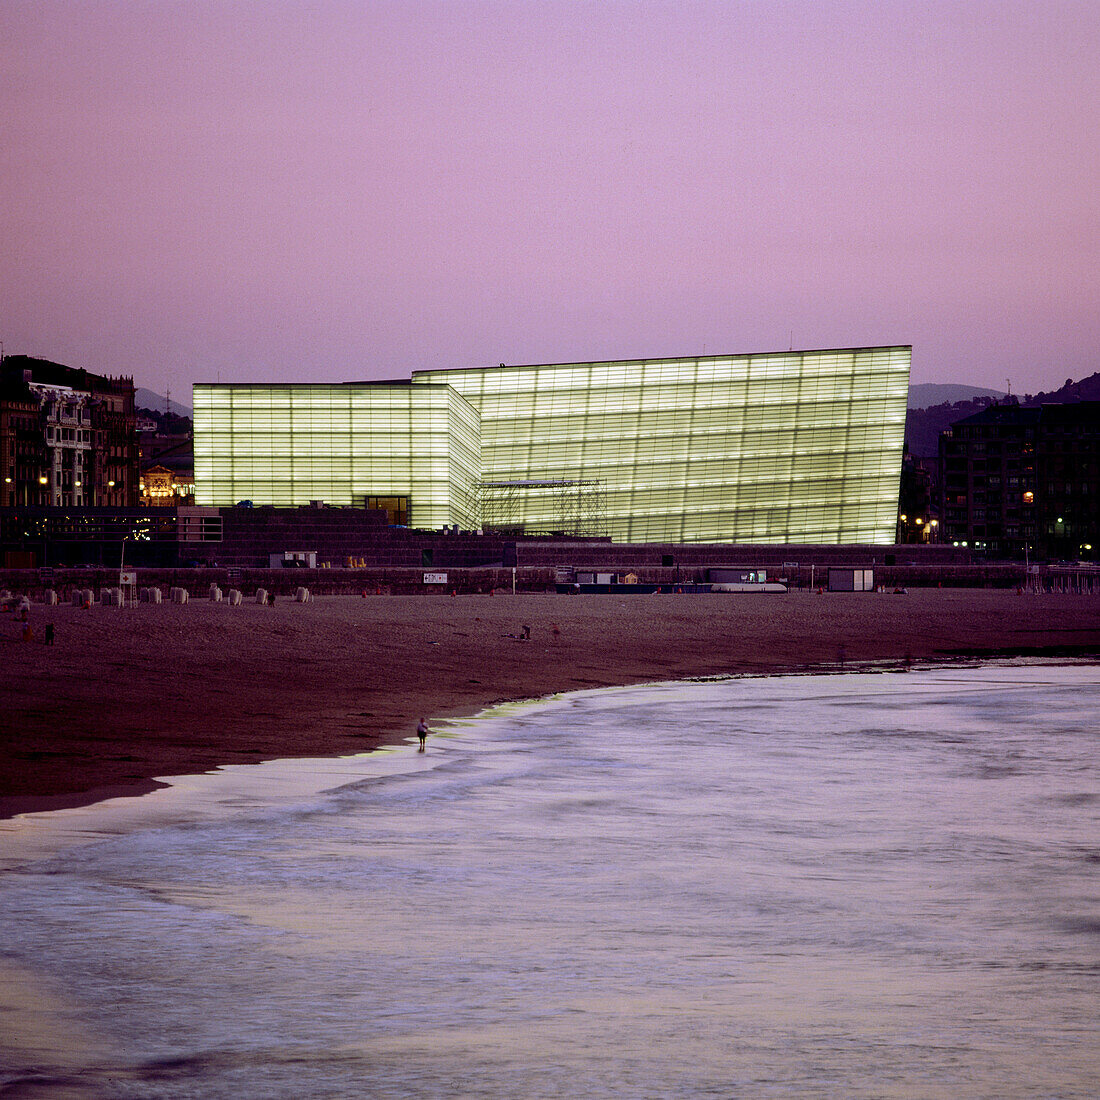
(800, 447)
(290, 444)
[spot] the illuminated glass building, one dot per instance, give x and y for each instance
(801, 447)
(391, 445)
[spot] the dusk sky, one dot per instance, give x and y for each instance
(331, 191)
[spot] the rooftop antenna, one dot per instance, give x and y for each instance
(791, 348)
(1008, 381)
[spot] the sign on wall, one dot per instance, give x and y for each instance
(435, 578)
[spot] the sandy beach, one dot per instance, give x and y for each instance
(127, 695)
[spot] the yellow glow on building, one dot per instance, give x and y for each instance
(289, 444)
(772, 448)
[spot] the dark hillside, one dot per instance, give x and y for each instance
(923, 426)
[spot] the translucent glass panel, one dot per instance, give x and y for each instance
(775, 448)
(787, 447)
(288, 445)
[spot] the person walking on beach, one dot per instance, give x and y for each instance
(422, 732)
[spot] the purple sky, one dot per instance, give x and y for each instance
(328, 191)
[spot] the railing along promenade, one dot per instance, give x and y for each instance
(406, 580)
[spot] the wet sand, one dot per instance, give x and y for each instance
(127, 695)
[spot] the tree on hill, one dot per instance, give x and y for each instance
(1088, 389)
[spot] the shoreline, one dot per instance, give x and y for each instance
(254, 779)
(127, 695)
(303, 814)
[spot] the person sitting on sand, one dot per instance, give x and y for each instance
(422, 732)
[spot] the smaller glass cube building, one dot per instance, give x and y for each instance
(798, 447)
(342, 444)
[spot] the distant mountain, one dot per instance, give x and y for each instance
(924, 425)
(146, 399)
(927, 394)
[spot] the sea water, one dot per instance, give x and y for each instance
(862, 885)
